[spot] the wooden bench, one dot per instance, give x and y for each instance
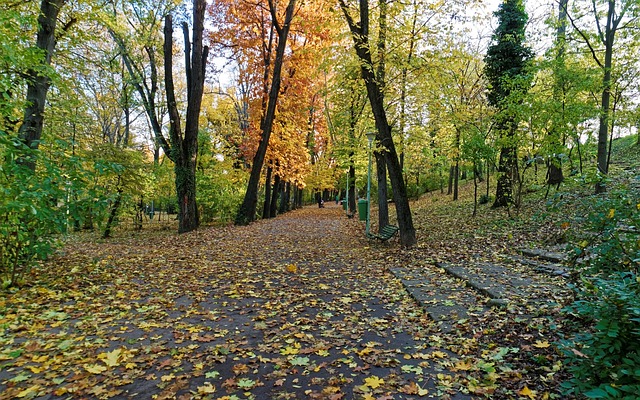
(385, 233)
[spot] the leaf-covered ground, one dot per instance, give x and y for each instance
(301, 306)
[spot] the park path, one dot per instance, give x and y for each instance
(300, 306)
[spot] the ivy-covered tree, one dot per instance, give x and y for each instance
(506, 71)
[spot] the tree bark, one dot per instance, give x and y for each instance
(383, 204)
(456, 177)
(504, 186)
(247, 211)
(114, 212)
(352, 187)
(33, 121)
(266, 207)
(360, 34)
(184, 147)
(554, 165)
(274, 197)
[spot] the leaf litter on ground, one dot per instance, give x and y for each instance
(301, 306)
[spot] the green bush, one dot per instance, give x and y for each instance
(605, 361)
(30, 211)
(219, 196)
(611, 240)
(604, 356)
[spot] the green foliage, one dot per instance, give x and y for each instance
(219, 195)
(605, 358)
(507, 57)
(611, 242)
(220, 187)
(605, 362)
(30, 211)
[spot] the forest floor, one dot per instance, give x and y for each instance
(300, 306)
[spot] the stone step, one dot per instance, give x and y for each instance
(551, 268)
(545, 255)
(493, 281)
(446, 300)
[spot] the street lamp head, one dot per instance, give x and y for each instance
(371, 136)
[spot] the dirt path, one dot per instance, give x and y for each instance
(301, 306)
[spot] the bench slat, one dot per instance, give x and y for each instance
(385, 233)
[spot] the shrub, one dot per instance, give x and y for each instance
(604, 356)
(605, 361)
(29, 212)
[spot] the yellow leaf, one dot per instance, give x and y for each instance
(541, 344)
(30, 391)
(36, 370)
(206, 389)
(95, 369)
(611, 213)
(167, 378)
(463, 365)
(289, 350)
(322, 353)
(292, 268)
(638, 206)
(527, 393)
(198, 366)
(368, 396)
(438, 354)
(373, 382)
(111, 358)
(40, 359)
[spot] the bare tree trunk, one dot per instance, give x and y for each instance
(352, 188)
(456, 175)
(450, 186)
(383, 204)
(266, 208)
(274, 196)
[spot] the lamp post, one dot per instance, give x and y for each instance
(370, 137)
(347, 194)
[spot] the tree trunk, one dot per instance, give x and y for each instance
(383, 204)
(273, 209)
(352, 189)
(299, 198)
(504, 187)
(247, 211)
(184, 147)
(456, 174)
(113, 213)
(360, 34)
(450, 186)
(33, 121)
(266, 208)
(287, 197)
(554, 169)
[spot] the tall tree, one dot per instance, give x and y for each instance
(609, 16)
(555, 175)
(184, 145)
(506, 71)
(39, 81)
(135, 27)
(360, 34)
(247, 211)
